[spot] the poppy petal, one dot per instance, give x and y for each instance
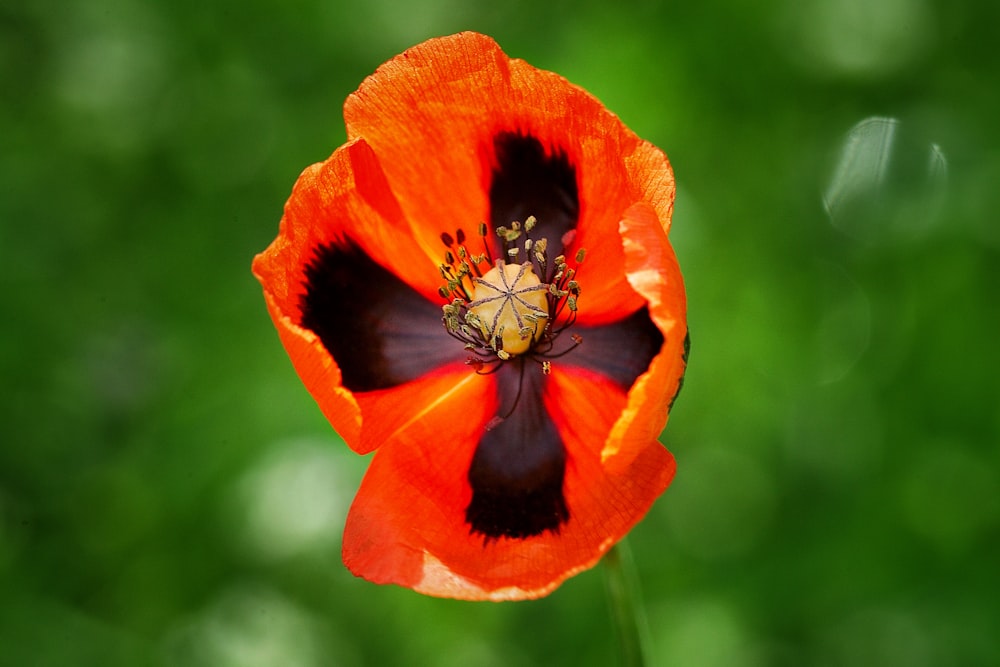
(318, 373)
(608, 494)
(646, 176)
(518, 468)
(380, 332)
(440, 115)
(415, 492)
(653, 272)
(344, 199)
(422, 112)
(407, 524)
(321, 245)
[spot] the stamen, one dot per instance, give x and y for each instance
(501, 310)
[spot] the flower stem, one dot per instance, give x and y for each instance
(626, 606)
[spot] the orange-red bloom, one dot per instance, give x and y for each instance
(430, 285)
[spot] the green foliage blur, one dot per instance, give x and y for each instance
(170, 495)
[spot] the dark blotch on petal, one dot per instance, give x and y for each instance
(379, 330)
(527, 181)
(621, 351)
(518, 469)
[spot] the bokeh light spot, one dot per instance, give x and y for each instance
(858, 38)
(294, 500)
(889, 184)
(250, 625)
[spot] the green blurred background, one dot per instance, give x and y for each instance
(170, 495)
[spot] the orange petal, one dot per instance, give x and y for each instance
(607, 294)
(607, 495)
(652, 271)
(426, 114)
(415, 492)
(317, 370)
(431, 114)
(428, 405)
(407, 525)
(367, 420)
(344, 197)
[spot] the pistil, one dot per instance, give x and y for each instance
(510, 305)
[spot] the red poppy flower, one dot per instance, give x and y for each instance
(478, 286)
